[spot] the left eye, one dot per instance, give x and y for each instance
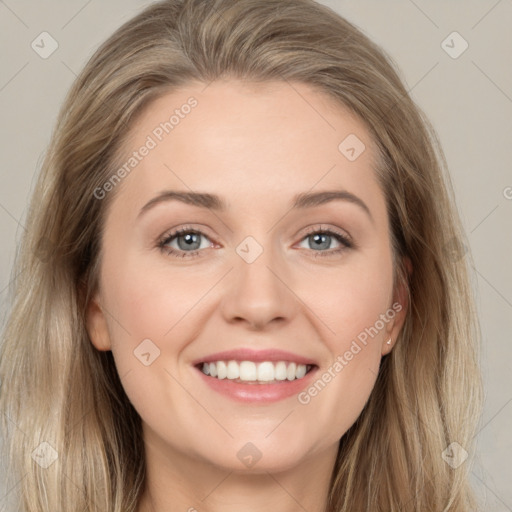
(323, 239)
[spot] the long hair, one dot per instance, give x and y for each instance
(62, 400)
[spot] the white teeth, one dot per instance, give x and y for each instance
(291, 371)
(222, 370)
(301, 371)
(248, 371)
(233, 370)
(280, 371)
(266, 371)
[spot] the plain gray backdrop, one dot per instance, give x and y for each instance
(466, 93)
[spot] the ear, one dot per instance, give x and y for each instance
(96, 325)
(400, 307)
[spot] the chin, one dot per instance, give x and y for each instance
(257, 457)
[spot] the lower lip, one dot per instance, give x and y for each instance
(263, 393)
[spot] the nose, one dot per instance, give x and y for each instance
(260, 293)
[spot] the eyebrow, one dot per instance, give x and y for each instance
(214, 202)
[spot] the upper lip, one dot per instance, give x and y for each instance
(247, 354)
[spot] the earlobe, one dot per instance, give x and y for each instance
(96, 325)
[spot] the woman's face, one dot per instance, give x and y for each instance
(295, 269)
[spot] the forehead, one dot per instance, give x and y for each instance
(251, 139)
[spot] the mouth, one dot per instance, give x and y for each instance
(255, 372)
(256, 377)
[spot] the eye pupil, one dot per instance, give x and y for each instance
(190, 238)
(321, 238)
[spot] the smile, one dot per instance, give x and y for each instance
(252, 372)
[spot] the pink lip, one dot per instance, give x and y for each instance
(258, 393)
(247, 354)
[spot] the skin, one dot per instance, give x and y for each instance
(256, 146)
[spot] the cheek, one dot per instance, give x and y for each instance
(355, 306)
(147, 315)
(150, 322)
(344, 383)
(351, 300)
(148, 299)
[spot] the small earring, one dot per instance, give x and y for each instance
(389, 341)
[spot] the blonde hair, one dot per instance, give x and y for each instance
(56, 388)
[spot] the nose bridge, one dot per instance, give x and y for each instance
(258, 293)
(255, 260)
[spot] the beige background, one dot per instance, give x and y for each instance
(468, 99)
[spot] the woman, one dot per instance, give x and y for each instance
(316, 349)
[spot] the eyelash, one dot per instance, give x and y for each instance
(346, 242)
